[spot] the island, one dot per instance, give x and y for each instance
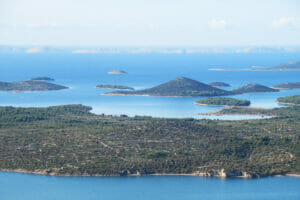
(287, 86)
(114, 87)
(117, 72)
(30, 85)
(289, 100)
(219, 84)
(253, 88)
(222, 101)
(179, 87)
(69, 140)
(289, 66)
(42, 78)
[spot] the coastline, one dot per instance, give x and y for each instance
(220, 174)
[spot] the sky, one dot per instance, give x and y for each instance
(150, 22)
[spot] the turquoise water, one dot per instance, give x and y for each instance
(15, 186)
(83, 72)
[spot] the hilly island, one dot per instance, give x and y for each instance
(30, 85)
(69, 140)
(179, 87)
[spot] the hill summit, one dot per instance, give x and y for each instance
(179, 87)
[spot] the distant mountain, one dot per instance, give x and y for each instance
(117, 72)
(253, 88)
(287, 86)
(179, 87)
(219, 84)
(29, 85)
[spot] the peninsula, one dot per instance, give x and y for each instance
(70, 141)
(253, 88)
(30, 85)
(179, 87)
(114, 87)
(287, 86)
(222, 101)
(289, 100)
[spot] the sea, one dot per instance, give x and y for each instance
(81, 72)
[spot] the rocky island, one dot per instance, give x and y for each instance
(117, 72)
(287, 86)
(253, 88)
(179, 87)
(30, 85)
(42, 78)
(219, 84)
(69, 140)
(114, 87)
(222, 101)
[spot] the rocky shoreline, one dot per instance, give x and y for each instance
(210, 173)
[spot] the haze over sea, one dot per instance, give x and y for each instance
(82, 72)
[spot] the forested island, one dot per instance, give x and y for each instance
(222, 101)
(114, 87)
(289, 100)
(287, 86)
(69, 140)
(179, 87)
(30, 85)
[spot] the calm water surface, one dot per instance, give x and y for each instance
(15, 186)
(83, 72)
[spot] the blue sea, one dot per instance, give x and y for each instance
(15, 186)
(81, 72)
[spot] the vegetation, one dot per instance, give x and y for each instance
(179, 87)
(290, 100)
(69, 140)
(30, 85)
(114, 87)
(223, 101)
(253, 88)
(219, 84)
(287, 85)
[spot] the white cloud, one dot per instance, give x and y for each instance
(217, 23)
(287, 22)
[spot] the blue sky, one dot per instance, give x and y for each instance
(150, 22)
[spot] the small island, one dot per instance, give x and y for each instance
(114, 87)
(29, 85)
(287, 86)
(117, 72)
(42, 78)
(222, 101)
(219, 84)
(289, 100)
(179, 87)
(253, 88)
